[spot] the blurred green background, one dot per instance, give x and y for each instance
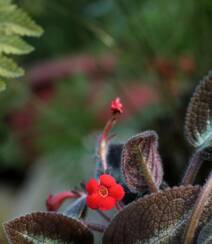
(150, 53)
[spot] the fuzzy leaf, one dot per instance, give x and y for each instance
(156, 218)
(141, 163)
(9, 69)
(47, 228)
(14, 45)
(205, 236)
(114, 168)
(198, 122)
(18, 22)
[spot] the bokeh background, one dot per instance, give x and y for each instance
(149, 53)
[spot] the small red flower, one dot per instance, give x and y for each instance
(54, 202)
(103, 194)
(117, 106)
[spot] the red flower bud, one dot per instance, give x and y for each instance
(54, 202)
(104, 194)
(117, 106)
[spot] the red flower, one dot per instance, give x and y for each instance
(117, 106)
(54, 202)
(103, 194)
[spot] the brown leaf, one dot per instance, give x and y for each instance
(198, 122)
(47, 228)
(141, 163)
(156, 218)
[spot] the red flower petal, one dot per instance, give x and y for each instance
(107, 203)
(107, 180)
(93, 201)
(92, 186)
(116, 192)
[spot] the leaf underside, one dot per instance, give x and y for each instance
(156, 218)
(141, 160)
(198, 122)
(47, 228)
(76, 208)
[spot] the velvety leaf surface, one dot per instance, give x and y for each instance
(114, 164)
(198, 123)
(141, 163)
(205, 236)
(156, 218)
(47, 228)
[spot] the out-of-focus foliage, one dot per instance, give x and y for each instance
(162, 44)
(59, 124)
(159, 51)
(139, 30)
(14, 23)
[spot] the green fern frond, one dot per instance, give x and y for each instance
(9, 69)
(5, 5)
(18, 22)
(5, 2)
(14, 23)
(14, 45)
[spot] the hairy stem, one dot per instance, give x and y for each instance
(95, 227)
(103, 215)
(193, 168)
(103, 143)
(197, 211)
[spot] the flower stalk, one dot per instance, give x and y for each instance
(116, 109)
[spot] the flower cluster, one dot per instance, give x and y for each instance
(104, 194)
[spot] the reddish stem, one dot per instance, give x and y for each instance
(103, 143)
(193, 168)
(198, 211)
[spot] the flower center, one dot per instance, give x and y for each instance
(103, 191)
